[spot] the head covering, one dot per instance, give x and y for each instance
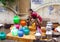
(34, 15)
(30, 10)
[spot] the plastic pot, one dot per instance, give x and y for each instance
(16, 20)
(23, 22)
(2, 35)
(14, 32)
(20, 33)
(26, 31)
(17, 26)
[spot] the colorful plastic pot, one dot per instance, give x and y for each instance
(26, 31)
(20, 33)
(25, 28)
(23, 22)
(37, 35)
(17, 26)
(16, 20)
(2, 35)
(14, 32)
(21, 29)
(33, 24)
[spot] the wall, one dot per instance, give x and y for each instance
(7, 16)
(24, 5)
(54, 16)
(42, 2)
(43, 11)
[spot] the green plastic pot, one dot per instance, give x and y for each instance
(14, 32)
(16, 20)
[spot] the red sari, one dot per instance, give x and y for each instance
(34, 15)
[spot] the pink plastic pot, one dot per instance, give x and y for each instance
(17, 26)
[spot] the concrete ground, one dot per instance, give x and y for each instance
(8, 30)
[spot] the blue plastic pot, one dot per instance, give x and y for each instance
(20, 33)
(23, 28)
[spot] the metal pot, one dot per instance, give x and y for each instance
(37, 35)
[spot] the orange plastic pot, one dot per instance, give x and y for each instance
(23, 22)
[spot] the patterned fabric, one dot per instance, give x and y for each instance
(35, 15)
(39, 30)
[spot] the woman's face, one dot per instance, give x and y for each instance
(30, 12)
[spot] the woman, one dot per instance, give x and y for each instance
(33, 15)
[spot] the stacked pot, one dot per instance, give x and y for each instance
(49, 30)
(20, 27)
